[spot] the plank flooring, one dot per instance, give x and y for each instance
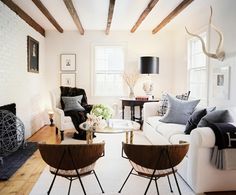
(24, 179)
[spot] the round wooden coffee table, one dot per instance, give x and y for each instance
(113, 126)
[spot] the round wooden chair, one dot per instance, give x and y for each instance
(154, 161)
(72, 161)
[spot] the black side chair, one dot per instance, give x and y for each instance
(72, 161)
(154, 161)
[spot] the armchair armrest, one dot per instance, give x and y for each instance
(150, 109)
(59, 117)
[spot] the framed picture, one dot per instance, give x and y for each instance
(221, 79)
(68, 62)
(32, 55)
(68, 79)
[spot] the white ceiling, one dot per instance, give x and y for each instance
(93, 13)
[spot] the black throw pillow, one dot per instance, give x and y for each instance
(194, 119)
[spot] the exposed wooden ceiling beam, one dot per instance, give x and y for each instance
(110, 15)
(172, 15)
(148, 9)
(45, 11)
(24, 16)
(74, 15)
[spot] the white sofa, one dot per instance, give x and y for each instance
(196, 168)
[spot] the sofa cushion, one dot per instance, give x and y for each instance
(217, 116)
(169, 129)
(154, 121)
(179, 111)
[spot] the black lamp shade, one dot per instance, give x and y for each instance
(149, 65)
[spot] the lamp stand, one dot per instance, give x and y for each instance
(148, 87)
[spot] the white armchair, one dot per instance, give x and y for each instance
(62, 122)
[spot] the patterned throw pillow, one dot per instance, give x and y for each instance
(163, 105)
(184, 96)
(164, 102)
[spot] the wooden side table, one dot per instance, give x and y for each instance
(132, 103)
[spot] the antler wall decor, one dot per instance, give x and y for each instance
(220, 54)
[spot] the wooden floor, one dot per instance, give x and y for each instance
(24, 179)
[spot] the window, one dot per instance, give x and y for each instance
(197, 69)
(108, 70)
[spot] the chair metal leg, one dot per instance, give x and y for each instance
(148, 184)
(70, 185)
(81, 182)
(176, 180)
(125, 180)
(156, 186)
(50, 188)
(173, 171)
(171, 190)
(59, 165)
(77, 172)
(98, 181)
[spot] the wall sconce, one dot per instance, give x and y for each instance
(149, 65)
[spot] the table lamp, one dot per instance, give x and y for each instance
(149, 65)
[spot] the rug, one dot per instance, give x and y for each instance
(15, 160)
(111, 170)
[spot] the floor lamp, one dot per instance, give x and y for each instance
(149, 65)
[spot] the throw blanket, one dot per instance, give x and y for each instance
(77, 118)
(224, 152)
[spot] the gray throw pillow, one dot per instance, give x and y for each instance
(217, 116)
(73, 103)
(164, 102)
(179, 111)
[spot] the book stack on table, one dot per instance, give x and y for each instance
(144, 98)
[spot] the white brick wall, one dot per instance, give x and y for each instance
(27, 90)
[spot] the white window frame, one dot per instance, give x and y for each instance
(206, 67)
(93, 73)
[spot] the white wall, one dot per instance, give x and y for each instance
(137, 44)
(224, 17)
(17, 85)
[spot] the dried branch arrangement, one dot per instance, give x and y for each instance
(131, 79)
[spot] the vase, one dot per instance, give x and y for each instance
(131, 92)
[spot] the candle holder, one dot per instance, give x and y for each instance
(50, 114)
